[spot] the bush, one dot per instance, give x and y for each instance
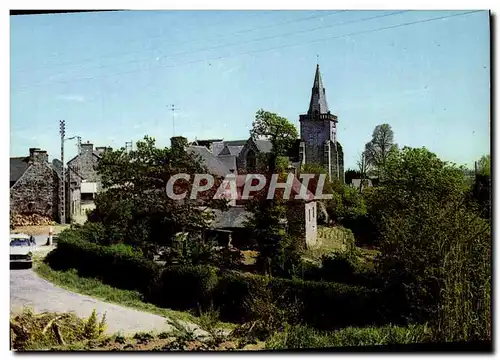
(185, 287)
(340, 266)
(119, 265)
(235, 293)
(330, 305)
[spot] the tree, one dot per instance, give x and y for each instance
(134, 208)
(484, 165)
(435, 251)
(379, 148)
(481, 188)
(278, 130)
(275, 244)
(363, 168)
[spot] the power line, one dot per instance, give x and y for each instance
(253, 40)
(258, 51)
(119, 54)
(215, 37)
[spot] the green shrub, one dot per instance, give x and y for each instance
(340, 266)
(308, 270)
(185, 287)
(119, 265)
(330, 305)
(235, 294)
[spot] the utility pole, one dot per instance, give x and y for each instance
(62, 192)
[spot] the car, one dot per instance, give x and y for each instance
(21, 249)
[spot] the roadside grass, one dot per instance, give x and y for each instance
(70, 280)
(303, 337)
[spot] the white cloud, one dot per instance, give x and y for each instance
(74, 98)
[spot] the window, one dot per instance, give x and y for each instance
(309, 214)
(87, 196)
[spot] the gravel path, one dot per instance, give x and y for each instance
(28, 289)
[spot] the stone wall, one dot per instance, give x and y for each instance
(36, 191)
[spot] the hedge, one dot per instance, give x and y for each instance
(235, 292)
(185, 287)
(328, 305)
(324, 305)
(115, 266)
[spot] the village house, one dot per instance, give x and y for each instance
(83, 180)
(229, 226)
(34, 185)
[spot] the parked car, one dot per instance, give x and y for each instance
(21, 249)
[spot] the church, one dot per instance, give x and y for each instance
(317, 144)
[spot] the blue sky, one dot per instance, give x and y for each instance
(112, 76)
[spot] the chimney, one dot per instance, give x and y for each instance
(38, 156)
(178, 142)
(86, 148)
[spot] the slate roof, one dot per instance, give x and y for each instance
(318, 96)
(234, 217)
(218, 147)
(214, 165)
(95, 153)
(263, 145)
(231, 150)
(235, 142)
(18, 166)
(228, 160)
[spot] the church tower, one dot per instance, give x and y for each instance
(318, 133)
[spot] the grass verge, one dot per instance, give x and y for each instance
(70, 280)
(303, 337)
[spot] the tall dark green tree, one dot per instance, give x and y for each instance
(275, 245)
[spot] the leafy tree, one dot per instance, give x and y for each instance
(278, 130)
(275, 244)
(379, 148)
(481, 189)
(135, 207)
(346, 204)
(435, 251)
(484, 165)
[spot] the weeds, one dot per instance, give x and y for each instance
(30, 331)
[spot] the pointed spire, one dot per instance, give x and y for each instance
(318, 96)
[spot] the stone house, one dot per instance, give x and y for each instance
(302, 216)
(34, 185)
(83, 179)
(229, 225)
